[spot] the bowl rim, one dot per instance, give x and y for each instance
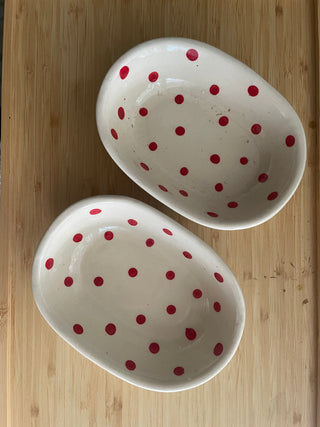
(234, 224)
(36, 289)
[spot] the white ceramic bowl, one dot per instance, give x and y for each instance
(138, 294)
(201, 132)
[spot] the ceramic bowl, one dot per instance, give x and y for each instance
(201, 132)
(138, 294)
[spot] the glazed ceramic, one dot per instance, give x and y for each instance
(138, 294)
(201, 132)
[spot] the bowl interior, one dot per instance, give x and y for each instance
(201, 132)
(138, 294)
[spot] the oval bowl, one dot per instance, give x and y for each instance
(138, 294)
(201, 132)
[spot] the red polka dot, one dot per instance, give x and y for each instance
(290, 140)
(187, 254)
(108, 235)
(144, 166)
(253, 90)
(165, 230)
(215, 158)
(217, 306)
(124, 72)
(214, 90)
(153, 146)
(149, 242)
(114, 133)
(143, 112)
(98, 281)
(132, 222)
(95, 211)
(218, 349)
(263, 177)
(49, 263)
(256, 129)
(78, 329)
(184, 171)
(132, 272)
(192, 54)
(244, 160)
(191, 334)
(179, 370)
(212, 214)
(121, 113)
(223, 121)
(232, 205)
(218, 277)
(170, 275)
(218, 187)
(171, 309)
(179, 99)
(163, 188)
(68, 281)
(197, 293)
(273, 195)
(180, 130)
(77, 237)
(130, 365)
(140, 319)
(110, 329)
(154, 347)
(153, 77)
(183, 193)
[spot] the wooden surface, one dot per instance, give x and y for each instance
(55, 56)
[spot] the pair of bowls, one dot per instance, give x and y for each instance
(125, 285)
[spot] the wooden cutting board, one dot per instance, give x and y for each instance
(55, 56)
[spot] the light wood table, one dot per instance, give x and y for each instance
(56, 54)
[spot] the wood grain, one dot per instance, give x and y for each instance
(55, 56)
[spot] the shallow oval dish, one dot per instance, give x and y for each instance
(138, 294)
(201, 132)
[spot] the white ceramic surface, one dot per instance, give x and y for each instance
(201, 132)
(138, 294)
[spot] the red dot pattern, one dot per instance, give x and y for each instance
(218, 277)
(253, 90)
(78, 329)
(197, 293)
(124, 71)
(273, 195)
(218, 187)
(191, 334)
(143, 112)
(216, 306)
(212, 214)
(133, 272)
(140, 319)
(232, 205)
(121, 113)
(49, 263)
(149, 243)
(153, 146)
(179, 370)
(290, 140)
(183, 193)
(132, 222)
(114, 133)
(184, 171)
(170, 275)
(223, 121)
(108, 235)
(167, 231)
(187, 254)
(179, 99)
(110, 329)
(256, 129)
(144, 166)
(263, 177)
(214, 89)
(98, 281)
(77, 237)
(163, 188)
(130, 365)
(244, 160)
(95, 211)
(180, 130)
(192, 55)
(68, 281)
(171, 309)
(218, 349)
(215, 158)
(154, 347)
(153, 77)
